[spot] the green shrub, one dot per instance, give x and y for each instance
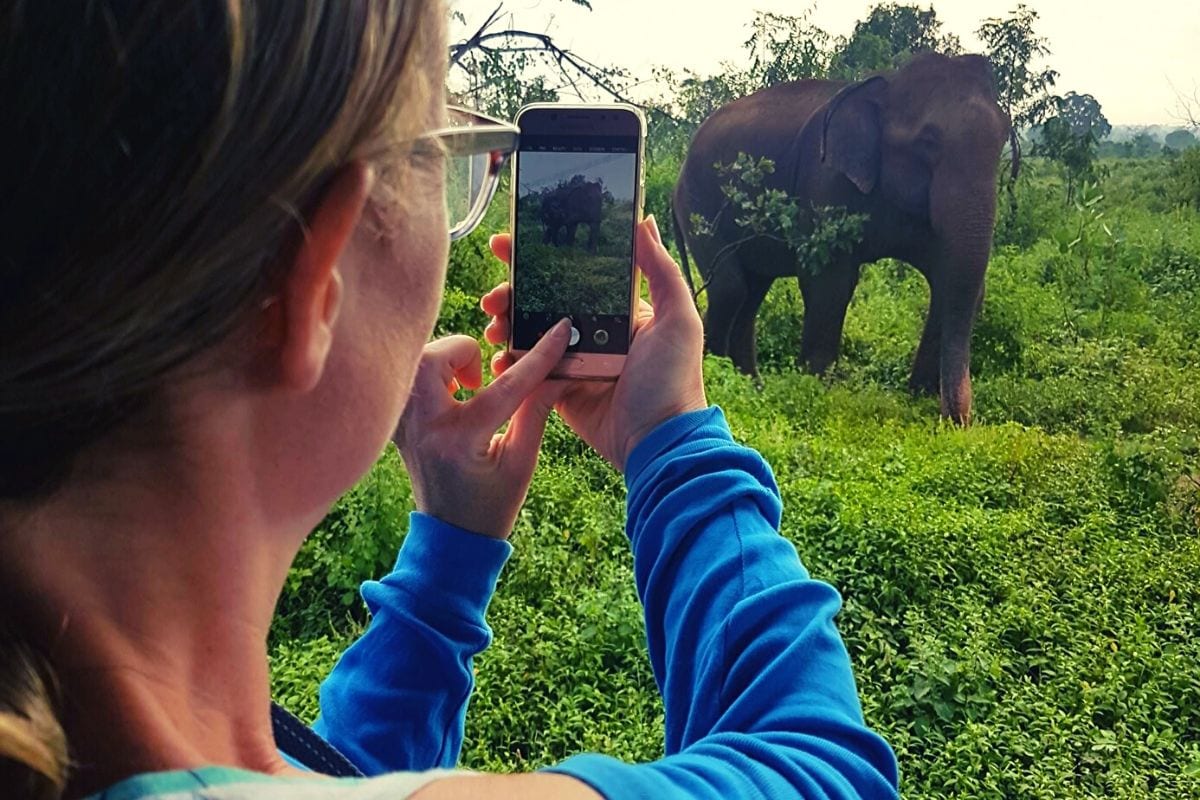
(1185, 178)
(1020, 597)
(661, 175)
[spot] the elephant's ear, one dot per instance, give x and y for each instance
(850, 137)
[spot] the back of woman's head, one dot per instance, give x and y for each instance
(155, 155)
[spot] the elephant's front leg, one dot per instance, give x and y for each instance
(826, 298)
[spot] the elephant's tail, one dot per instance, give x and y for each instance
(683, 256)
(1015, 145)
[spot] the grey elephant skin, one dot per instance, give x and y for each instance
(566, 207)
(916, 149)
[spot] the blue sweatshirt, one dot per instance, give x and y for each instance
(757, 686)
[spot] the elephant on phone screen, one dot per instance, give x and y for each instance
(569, 205)
(916, 150)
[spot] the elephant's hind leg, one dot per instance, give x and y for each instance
(727, 292)
(925, 378)
(743, 341)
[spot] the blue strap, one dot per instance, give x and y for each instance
(303, 745)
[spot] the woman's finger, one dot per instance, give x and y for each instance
(495, 302)
(495, 405)
(500, 362)
(668, 292)
(501, 245)
(497, 330)
(523, 438)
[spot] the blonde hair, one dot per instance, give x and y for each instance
(33, 747)
(157, 156)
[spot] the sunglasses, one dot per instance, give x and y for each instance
(477, 147)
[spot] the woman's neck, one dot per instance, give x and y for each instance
(152, 600)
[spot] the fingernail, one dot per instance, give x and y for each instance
(563, 325)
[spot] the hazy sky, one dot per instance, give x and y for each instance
(1122, 52)
(615, 170)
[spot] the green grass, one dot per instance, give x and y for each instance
(1020, 596)
(569, 279)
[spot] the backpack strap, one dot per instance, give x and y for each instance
(302, 744)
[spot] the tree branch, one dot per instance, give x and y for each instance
(457, 51)
(1187, 109)
(564, 59)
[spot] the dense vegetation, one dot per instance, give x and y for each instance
(1020, 596)
(600, 280)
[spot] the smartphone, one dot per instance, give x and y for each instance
(576, 202)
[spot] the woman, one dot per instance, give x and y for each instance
(224, 239)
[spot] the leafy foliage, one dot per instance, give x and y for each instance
(889, 35)
(816, 235)
(1185, 178)
(785, 48)
(1023, 85)
(1180, 140)
(1020, 596)
(1072, 135)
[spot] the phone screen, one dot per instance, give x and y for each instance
(576, 210)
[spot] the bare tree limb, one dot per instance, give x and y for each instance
(1187, 109)
(457, 51)
(546, 44)
(515, 40)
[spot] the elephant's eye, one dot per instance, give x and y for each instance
(928, 143)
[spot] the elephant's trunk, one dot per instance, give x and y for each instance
(958, 292)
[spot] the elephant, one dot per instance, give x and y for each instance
(569, 205)
(915, 149)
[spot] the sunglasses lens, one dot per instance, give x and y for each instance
(465, 176)
(476, 153)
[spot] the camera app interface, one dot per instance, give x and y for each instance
(574, 229)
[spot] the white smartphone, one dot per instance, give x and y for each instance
(576, 202)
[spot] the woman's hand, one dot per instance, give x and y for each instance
(464, 472)
(663, 374)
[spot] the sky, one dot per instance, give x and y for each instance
(1126, 54)
(614, 170)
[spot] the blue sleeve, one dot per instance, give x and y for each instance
(397, 698)
(756, 682)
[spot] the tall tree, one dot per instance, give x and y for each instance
(890, 35)
(1180, 140)
(1187, 107)
(1072, 136)
(785, 48)
(1023, 83)
(1144, 144)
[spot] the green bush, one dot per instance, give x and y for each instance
(1185, 178)
(1020, 597)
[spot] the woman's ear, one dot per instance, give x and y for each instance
(305, 310)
